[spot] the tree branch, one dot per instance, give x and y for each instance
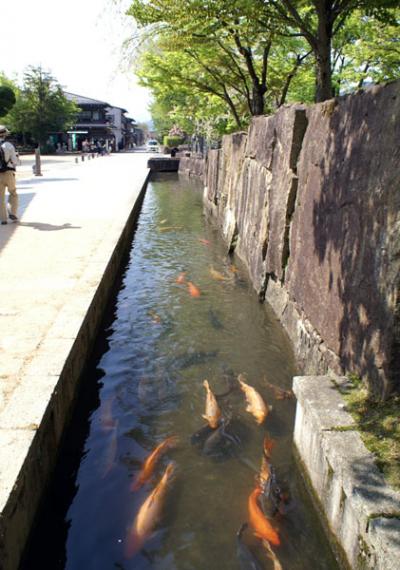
(299, 61)
(297, 19)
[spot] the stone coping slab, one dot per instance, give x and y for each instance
(361, 509)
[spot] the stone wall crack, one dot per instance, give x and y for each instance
(299, 131)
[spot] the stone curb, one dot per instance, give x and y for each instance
(361, 510)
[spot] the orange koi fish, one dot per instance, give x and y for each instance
(164, 221)
(261, 525)
(268, 446)
(255, 403)
(181, 278)
(216, 275)
(149, 515)
(233, 269)
(204, 241)
(149, 465)
(213, 413)
(280, 393)
(193, 290)
(265, 472)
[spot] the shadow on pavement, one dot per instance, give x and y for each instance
(7, 231)
(43, 227)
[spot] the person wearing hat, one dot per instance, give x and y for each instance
(7, 178)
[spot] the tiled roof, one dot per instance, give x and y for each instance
(120, 108)
(80, 100)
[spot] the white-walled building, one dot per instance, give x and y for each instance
(98, 120)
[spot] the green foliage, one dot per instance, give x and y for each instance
(179, 98)
(319, 22)
(7, 99)
(366, 51)
(219, 51)
(41, 107)
(212, 65)
(172, 141)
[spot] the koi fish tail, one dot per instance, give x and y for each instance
(133, 545)
(272, 556)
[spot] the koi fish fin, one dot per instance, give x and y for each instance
(136, 485)
(269, 444)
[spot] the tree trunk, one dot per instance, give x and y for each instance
(257, 104)
(322, 52)
(324, 88)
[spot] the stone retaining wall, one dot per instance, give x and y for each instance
(309, 200)
(192, 166)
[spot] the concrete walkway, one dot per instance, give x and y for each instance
(48, 163)
(57, 266)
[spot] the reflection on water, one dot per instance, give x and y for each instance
(161, 345)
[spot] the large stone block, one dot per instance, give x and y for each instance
(289, 128)
(344, 263)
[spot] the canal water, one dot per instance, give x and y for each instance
(144, 383)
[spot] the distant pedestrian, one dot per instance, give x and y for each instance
(8, 165)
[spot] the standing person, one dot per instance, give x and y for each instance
(8, 165)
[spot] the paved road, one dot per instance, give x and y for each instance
(51, 264)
